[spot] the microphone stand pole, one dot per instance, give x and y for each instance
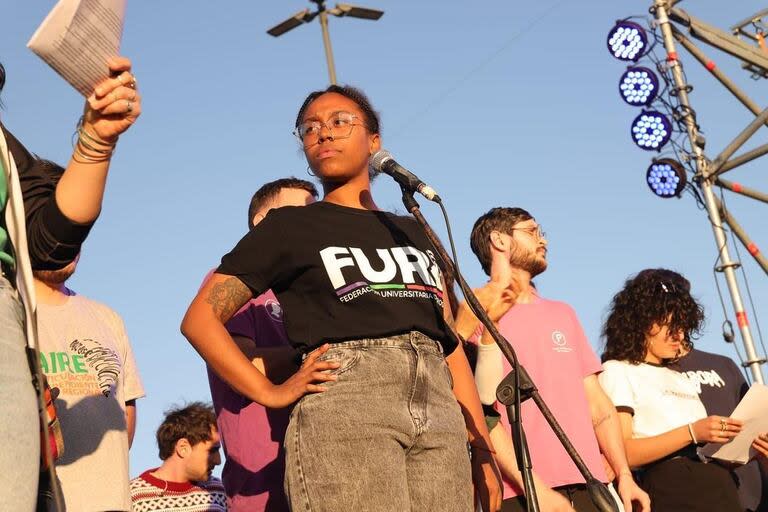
(515, 387)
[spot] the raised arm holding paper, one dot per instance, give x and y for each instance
(46, 212)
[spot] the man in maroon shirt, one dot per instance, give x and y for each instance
(252, 435)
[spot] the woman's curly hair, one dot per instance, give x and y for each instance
(657, 296)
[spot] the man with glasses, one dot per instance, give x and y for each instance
(551, 345)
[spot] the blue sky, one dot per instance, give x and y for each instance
(493, 103)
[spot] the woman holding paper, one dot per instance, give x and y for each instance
(662, 418)
(59, 206)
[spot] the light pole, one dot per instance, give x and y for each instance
(305, 16)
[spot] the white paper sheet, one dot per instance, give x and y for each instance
(77, 37)
(753, 411)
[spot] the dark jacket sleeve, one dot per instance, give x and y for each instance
(53, 239)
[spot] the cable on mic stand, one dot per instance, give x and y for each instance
(516, 386)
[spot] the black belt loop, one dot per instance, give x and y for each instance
(568, 491)
(33, 361)
(8, 272)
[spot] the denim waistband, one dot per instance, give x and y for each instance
(409, 340)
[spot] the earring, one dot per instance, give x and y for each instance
(309, 172)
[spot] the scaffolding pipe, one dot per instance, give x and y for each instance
(727, 264)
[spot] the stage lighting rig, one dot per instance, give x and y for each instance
(666, 178)
(664, 84)
(627, 40)
(639, 86)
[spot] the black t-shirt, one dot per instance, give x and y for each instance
(721, 384)
(52, 239)
(721, 387)
(343, 273)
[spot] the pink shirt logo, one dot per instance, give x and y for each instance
(561, 344)
(274, 309)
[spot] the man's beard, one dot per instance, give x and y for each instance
(528, 261)
(55, 276)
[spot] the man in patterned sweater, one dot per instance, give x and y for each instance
(188, 444)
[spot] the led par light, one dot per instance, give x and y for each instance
(638, 86)
(666, 178)
(627, 41)
(651, 130)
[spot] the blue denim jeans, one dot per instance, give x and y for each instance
(19, 426)
(388, 435)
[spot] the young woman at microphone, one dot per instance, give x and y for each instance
(662, 418)
(385, 399)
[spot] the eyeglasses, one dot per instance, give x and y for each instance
(533, 231)
(339, 125)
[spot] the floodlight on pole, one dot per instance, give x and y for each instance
(627, 40)
(306, 16)
(651, 130)
(356, 12)
(666, 178)
(638, 86)
(291, 23)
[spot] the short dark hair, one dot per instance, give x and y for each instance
(269, 192)
(654, 296)
(372, 121)
(500, 219)
(193, 422)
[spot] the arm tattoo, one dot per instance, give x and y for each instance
(599, 421)
(227, 297)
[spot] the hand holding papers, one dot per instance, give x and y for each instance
(77, 37)
(753, 411)
(80, 40)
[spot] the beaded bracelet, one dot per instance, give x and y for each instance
(89, 148)
(483, 448)
(84, 134)
(693, 436)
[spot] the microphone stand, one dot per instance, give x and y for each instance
(515, 387)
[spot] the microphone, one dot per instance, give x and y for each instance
(382, 161)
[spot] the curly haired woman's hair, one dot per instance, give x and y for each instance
(654, 296)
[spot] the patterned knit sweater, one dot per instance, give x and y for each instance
(151, 494)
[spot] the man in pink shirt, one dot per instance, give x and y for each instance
(251, 434)
(551, 345)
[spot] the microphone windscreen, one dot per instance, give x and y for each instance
(378, 158)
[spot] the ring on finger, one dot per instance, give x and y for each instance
(132, 83)
(120, 79)
(129, 106)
